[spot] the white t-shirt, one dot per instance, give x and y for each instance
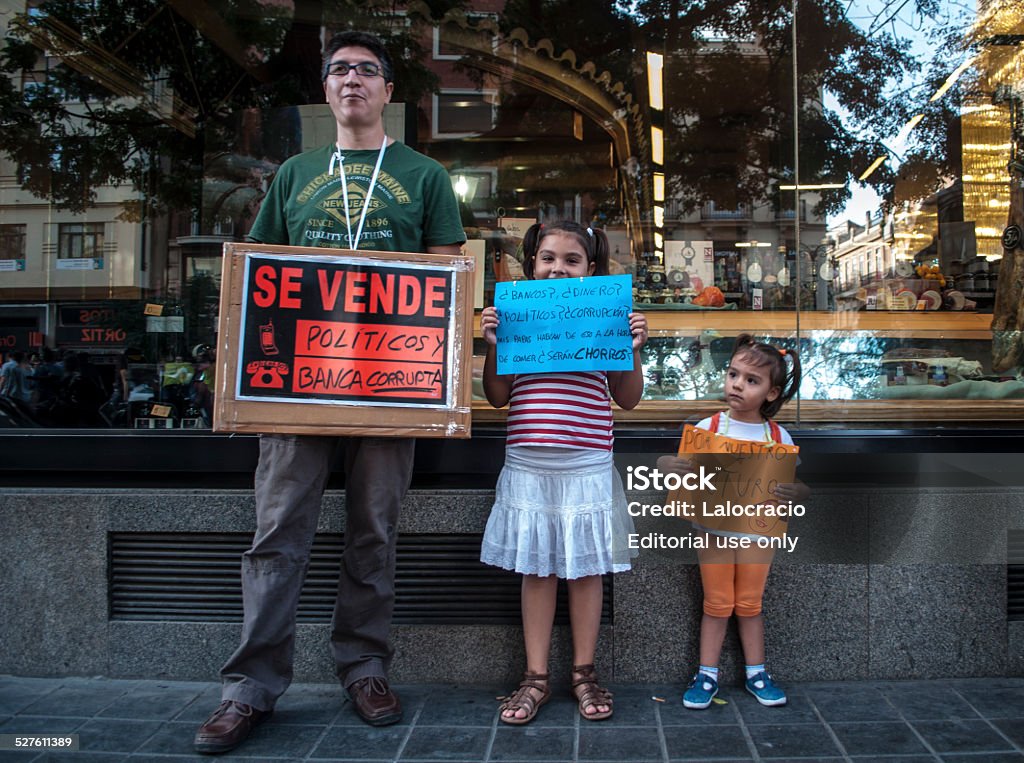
(741, 430)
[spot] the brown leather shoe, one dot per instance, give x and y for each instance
(374, 701)
(228, 727)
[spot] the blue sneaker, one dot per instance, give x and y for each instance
(765, 691)
(700, 692)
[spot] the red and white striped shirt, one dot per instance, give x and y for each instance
(569, 410)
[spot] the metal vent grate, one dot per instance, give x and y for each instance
(195, 577)
(1015, 575)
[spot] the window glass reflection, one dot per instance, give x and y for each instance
(836, 176)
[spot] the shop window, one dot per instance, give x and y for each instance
(78, 240)
(896, 299)
(459, 113)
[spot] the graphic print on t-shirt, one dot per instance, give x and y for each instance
(323, 201)
(334, 204)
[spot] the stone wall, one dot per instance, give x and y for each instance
(883, 583)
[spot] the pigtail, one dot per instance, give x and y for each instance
(531, 242)
(601, 250)
(743, 342)
(791, 359)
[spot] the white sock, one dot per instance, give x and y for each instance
(709, 672)
(753, 670)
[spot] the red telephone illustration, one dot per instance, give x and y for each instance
(266, 374)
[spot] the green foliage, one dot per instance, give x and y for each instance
(865, 71)
(729, 86)
(135, 85)
(593, 31)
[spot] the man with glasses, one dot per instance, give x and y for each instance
(367, 191)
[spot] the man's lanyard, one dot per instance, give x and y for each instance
(337, 157)
(767, 431)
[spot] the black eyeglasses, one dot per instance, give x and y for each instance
(363, 69)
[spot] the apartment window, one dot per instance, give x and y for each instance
(464, 112)
(12, 242)
(33, 79)
(442, 50)
(77, 240)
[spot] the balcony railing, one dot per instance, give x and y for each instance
(710, 212)
(789, 214)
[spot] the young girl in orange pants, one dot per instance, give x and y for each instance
(759, 379)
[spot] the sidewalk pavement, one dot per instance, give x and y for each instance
(957, 721)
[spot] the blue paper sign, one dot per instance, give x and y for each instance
(564, 324)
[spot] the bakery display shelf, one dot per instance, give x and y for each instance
(858, 368)
(932, 325)
(897, 413)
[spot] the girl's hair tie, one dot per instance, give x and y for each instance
(590, 231)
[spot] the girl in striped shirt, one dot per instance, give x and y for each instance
(560, 510)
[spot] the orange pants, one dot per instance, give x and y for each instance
(734, 580)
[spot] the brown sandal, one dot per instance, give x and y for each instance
(589, 694)
(524, 699)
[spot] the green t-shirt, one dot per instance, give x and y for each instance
(413, 205)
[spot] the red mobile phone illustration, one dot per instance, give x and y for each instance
(267, 338)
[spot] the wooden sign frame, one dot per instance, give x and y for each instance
(325, 416)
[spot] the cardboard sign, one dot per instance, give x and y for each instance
(744, 474)
(564, 324)
(341, 342)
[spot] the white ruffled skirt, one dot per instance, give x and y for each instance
(558, 511)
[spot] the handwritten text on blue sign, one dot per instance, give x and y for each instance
(564, 324)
